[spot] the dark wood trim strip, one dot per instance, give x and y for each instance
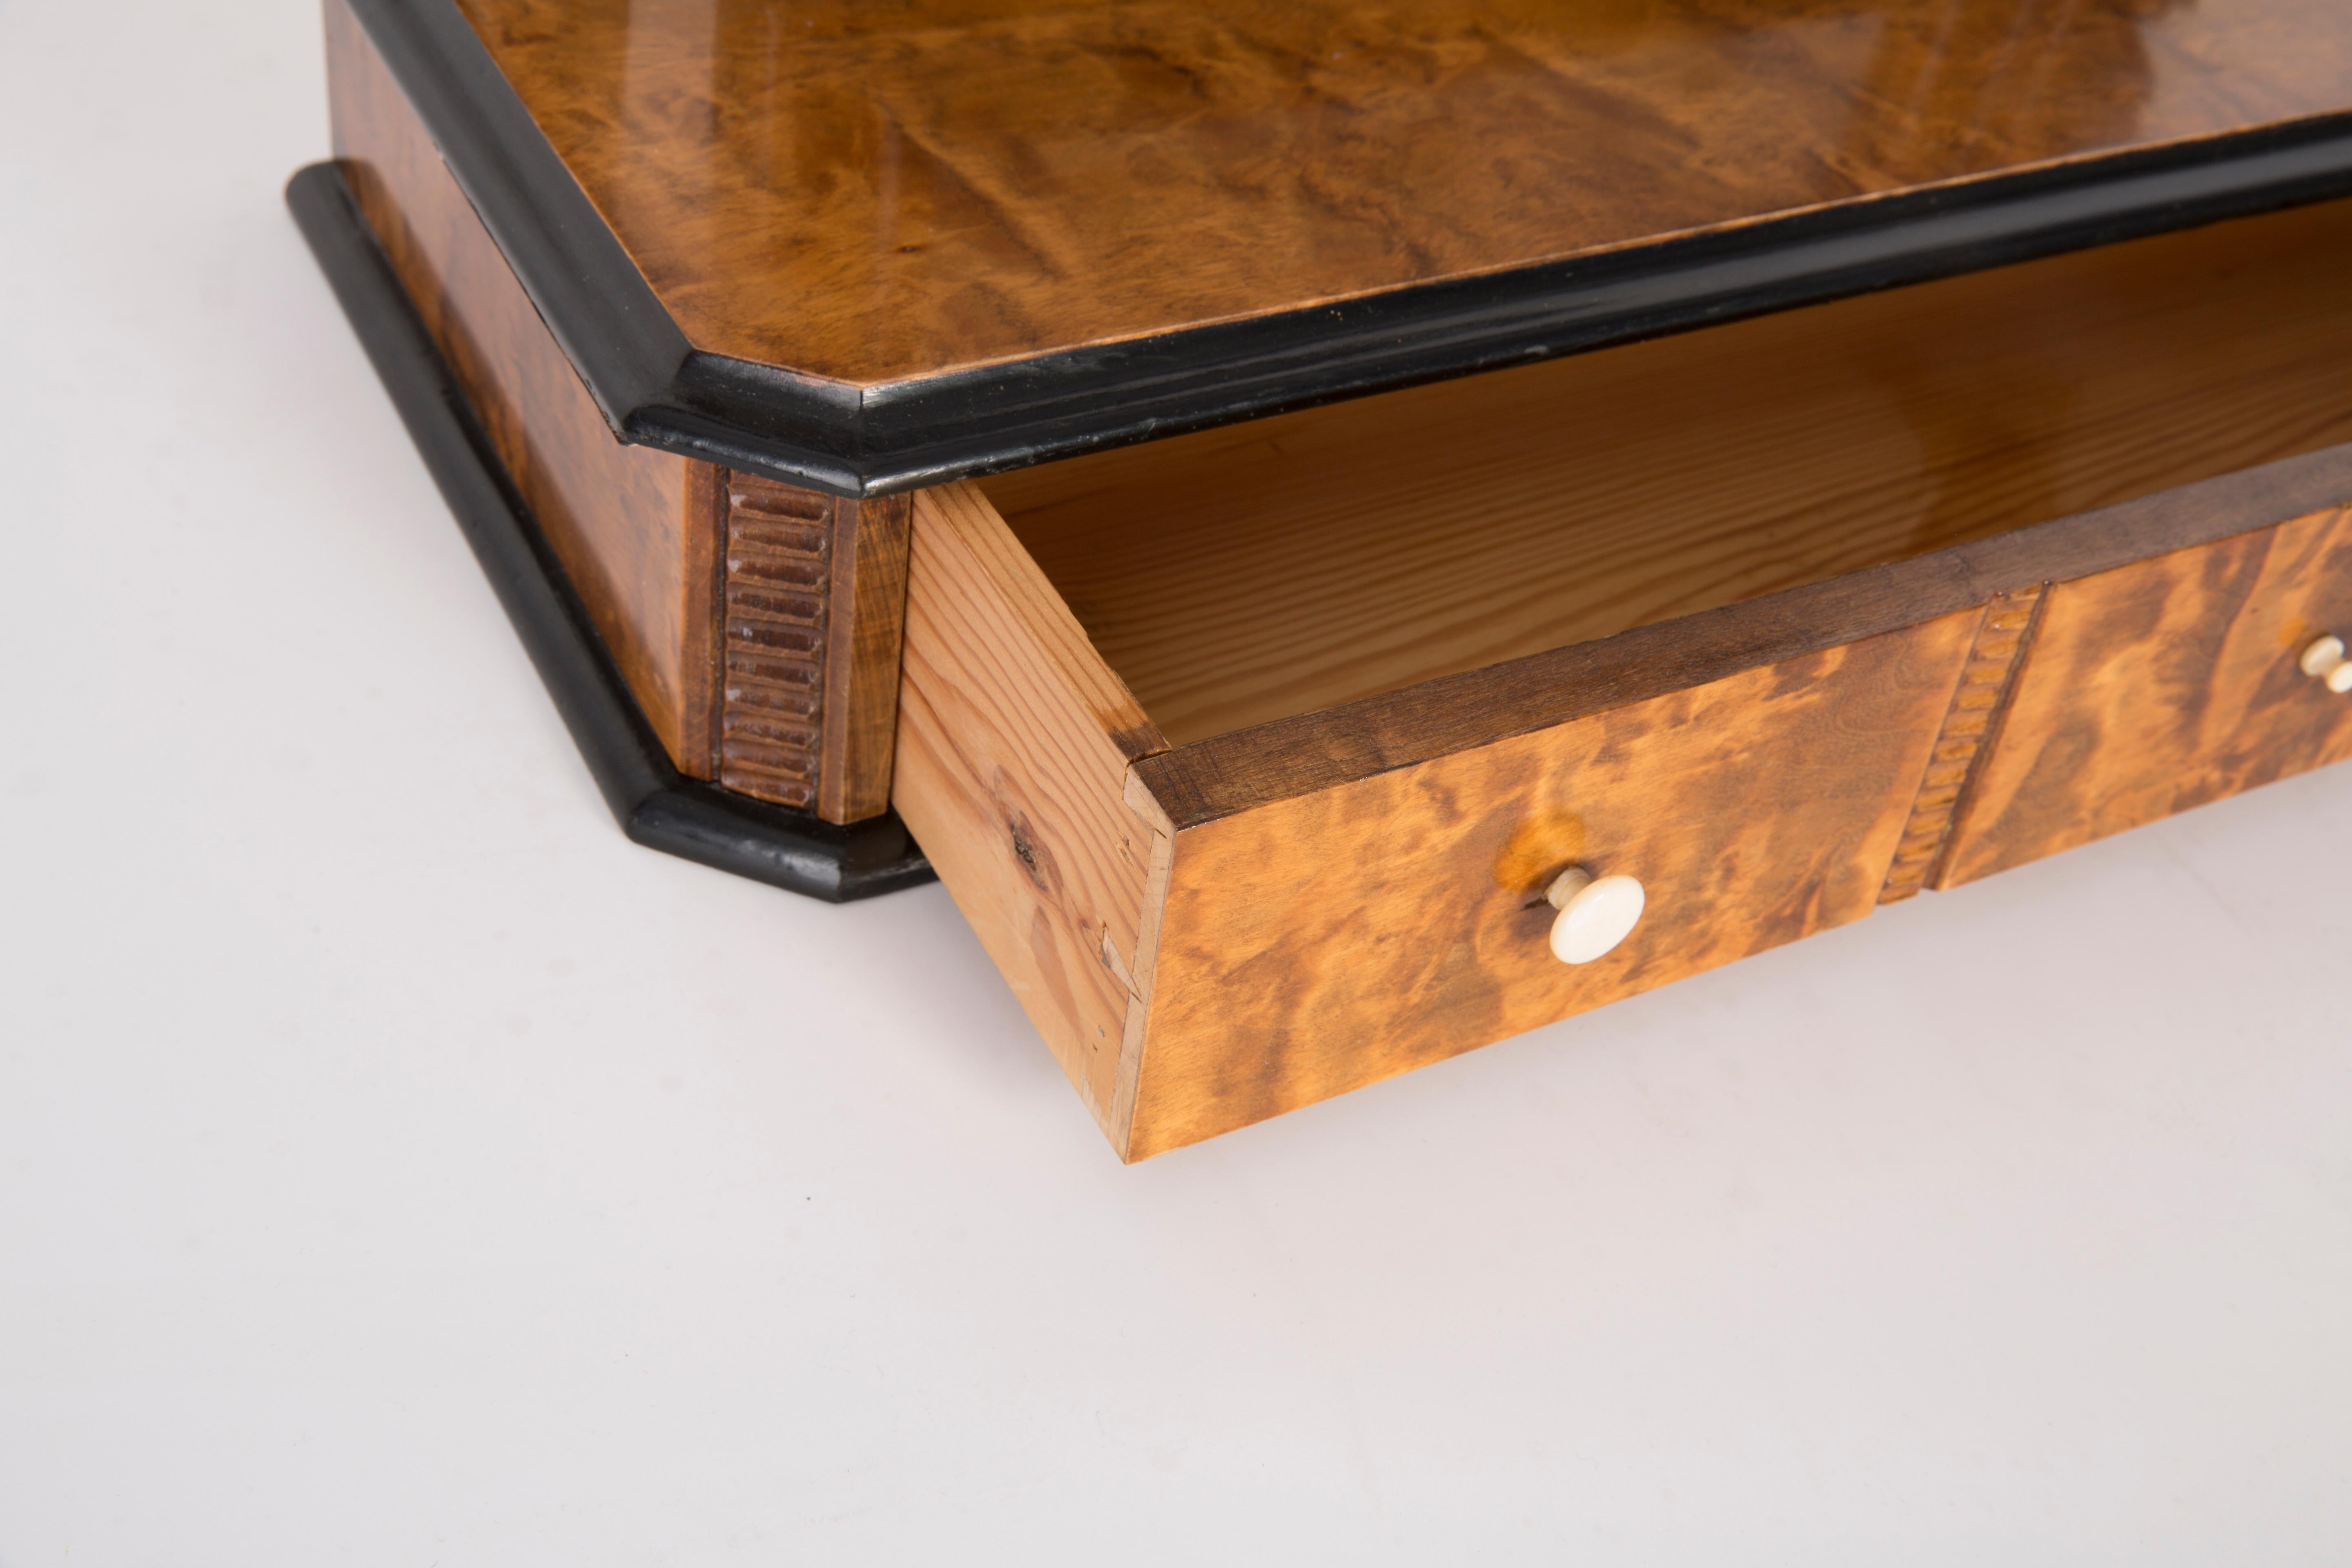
(657, 389)
(595, 302)
(1248, 768)
(655, 804)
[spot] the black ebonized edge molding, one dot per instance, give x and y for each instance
(659, 391)
(655, 805)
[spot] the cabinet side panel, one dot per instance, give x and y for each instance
(2160, 686)
(1012, 749)
(1322, 943)
(618, 517)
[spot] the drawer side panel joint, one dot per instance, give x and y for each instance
(1978, 703)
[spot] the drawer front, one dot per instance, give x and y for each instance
(1318, 943)
(2159, 686)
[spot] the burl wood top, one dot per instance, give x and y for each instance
(873, 190)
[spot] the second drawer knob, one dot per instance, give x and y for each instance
(2325, 660)
(1596, 913)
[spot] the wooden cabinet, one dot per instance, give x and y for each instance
(1257, 566)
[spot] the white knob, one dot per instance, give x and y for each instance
(2325, 660)
(1595, 914)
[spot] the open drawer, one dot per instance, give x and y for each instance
(1249, 754)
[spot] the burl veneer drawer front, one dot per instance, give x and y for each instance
(1212, 934)
(1318, 942)
(2163, 685)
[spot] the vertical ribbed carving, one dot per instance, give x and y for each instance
(778, 588)
(1992, 671)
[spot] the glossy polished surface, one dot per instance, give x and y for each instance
(1240, 576)
(871, 192)
(398, 1166)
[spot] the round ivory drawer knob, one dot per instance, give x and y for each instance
(1595, 913)
(2324, 660)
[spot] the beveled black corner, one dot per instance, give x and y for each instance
(655, 805)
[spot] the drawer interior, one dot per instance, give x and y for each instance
(1251, 574)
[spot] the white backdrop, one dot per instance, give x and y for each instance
(397, 1166)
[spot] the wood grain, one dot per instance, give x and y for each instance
(868, 618)
(1159, 868)
(2002, 638)
(1244, 769)
(1012, 750)
(2160, 686)
(1245, 574)
(1319, 944)
(623, 520)
(816, 592)
(702, 632)
(877, 192)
